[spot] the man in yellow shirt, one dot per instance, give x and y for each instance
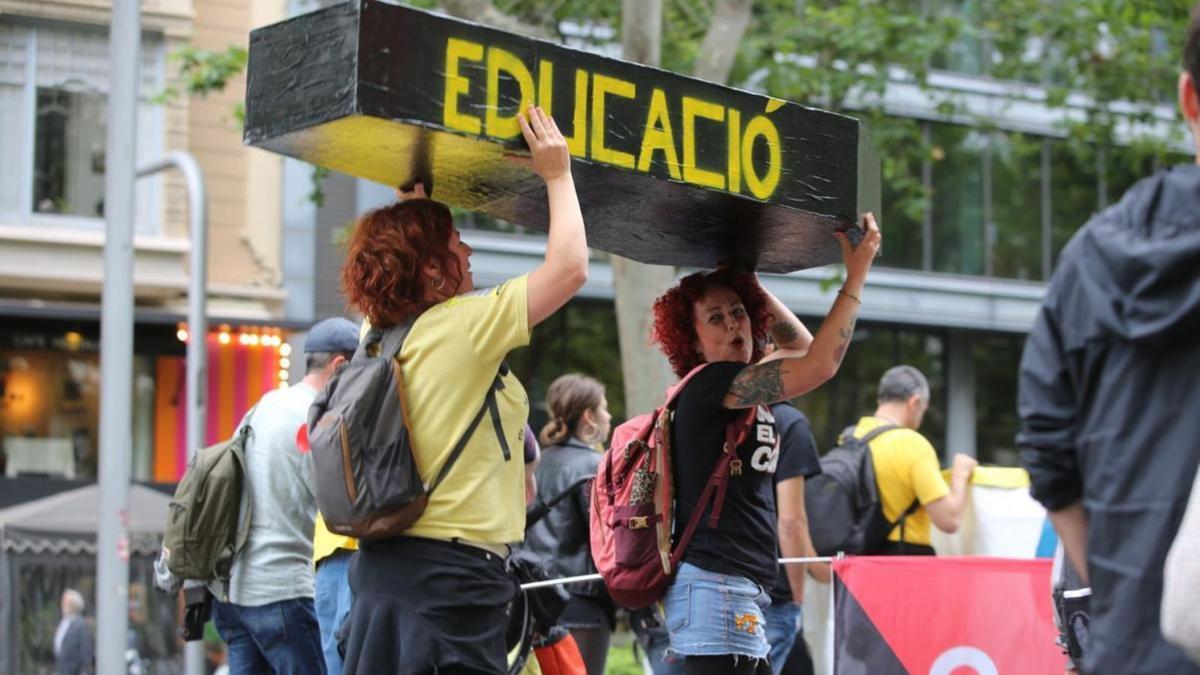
(331, 555)
(907, 468)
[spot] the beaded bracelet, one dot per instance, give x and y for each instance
(848, 294)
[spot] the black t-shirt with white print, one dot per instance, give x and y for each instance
(743, 543)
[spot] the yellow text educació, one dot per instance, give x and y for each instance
(675, 148)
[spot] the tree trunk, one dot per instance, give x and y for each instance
(719, 48)
(635, 285)
(483, 11)
(647, 373)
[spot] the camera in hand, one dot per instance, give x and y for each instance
(198, 609)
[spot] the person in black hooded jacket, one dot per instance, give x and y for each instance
(1108, 400)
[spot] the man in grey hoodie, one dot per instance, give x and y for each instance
(1108, 400)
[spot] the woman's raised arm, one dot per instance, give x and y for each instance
(785, 377)
(565, 269)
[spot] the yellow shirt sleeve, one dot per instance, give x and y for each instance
(926, 473)
(497, 319)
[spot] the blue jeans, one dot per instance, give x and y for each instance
(333, 604)
(711, 614)
(783, 627)
(281, 637)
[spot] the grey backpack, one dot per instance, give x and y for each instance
(367, 483)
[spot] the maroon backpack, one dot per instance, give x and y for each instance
(633, 499)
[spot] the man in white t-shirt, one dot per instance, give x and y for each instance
(268, 619)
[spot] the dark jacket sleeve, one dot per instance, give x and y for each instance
(1047, 399)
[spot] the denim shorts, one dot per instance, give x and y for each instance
(710, 614)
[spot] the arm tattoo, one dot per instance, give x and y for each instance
(759, 384)
(847, 332)
(784, 333)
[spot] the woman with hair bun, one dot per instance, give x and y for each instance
(578, 426)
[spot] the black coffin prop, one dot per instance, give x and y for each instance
(669, 169)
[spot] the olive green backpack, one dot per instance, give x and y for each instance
(203, 533)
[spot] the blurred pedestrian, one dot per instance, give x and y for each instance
(73, 651)
(579, 425)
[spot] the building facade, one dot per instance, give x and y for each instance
(54, 82)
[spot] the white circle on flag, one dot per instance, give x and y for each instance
(963, 657)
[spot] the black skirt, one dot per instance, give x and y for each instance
(426, 606)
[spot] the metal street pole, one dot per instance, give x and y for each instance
(116, 341)
(197, 346)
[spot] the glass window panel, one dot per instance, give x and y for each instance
(13, 140)
(580, 338)
(13, 38)
(901, 150)
(957, 155)
(68, 170)
(1074, 189)
(996, 358)
(965, 53)
(1017, 206)
(841, 401)
(50, 407)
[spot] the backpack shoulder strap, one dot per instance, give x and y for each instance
(674, 390)
(875, 433)
(239, 445)
(389, 340)
(489, 405)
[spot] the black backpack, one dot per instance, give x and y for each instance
(367, 483)
(845, 513)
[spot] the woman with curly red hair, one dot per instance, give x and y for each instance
(720, 321)
(434, 599)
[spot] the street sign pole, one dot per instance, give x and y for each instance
(116, 342)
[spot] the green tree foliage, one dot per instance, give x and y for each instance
(1110, 63)
(204, 71)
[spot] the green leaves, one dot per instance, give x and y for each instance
(203, 71)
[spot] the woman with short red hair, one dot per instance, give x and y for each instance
(720, 320)
(434, 599)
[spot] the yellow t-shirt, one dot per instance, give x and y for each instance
(448, 363)
(906, 468)
(326, 542)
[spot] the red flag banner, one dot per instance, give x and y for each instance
(944, 616)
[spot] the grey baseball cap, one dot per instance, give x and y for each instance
(332, 335)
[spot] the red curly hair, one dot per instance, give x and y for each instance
(675, 316)
(382, 277)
